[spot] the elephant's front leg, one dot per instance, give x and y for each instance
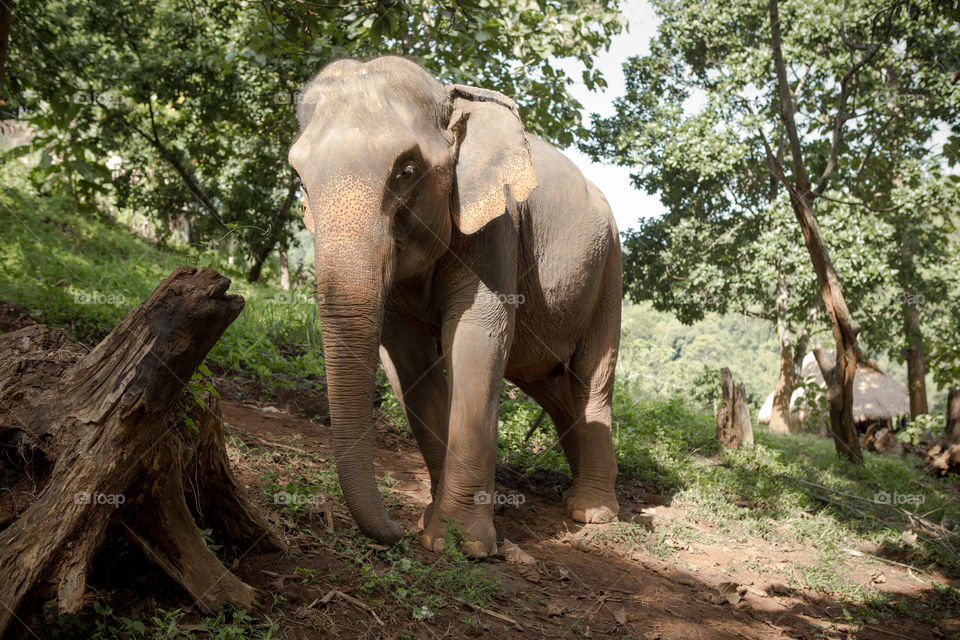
(415, 369)
(475, 348)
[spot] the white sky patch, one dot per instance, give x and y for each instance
(628, 203)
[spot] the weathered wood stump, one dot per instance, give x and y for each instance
(952, 430)
(943, 455)
(734, 429)
(102, 437)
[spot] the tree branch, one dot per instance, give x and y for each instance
(845, 93)
(186, 175)
(787, 108)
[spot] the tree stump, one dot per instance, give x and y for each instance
(952, 430)
(943, 455)
(101, 437)
(734, 429)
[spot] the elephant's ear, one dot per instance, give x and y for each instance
(493, 155)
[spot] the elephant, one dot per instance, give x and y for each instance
(460, 250)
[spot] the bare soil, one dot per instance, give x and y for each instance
(588, 587)
(581, 583)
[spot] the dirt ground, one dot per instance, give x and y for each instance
(579, 585)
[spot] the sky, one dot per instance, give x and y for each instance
(628, 203)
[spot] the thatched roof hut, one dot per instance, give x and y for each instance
(875, 396)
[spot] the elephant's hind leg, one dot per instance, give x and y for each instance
(592, 498)
(580, 403)
(583, 422)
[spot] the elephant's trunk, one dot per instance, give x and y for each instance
(354, 261)
(351, 333)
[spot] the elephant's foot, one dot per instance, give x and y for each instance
(479, 535)
(589, 505)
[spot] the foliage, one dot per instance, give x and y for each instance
(660, 356)
(102, 623)
(86, 273)
(701, 123)
(185, 109)
(925, 424)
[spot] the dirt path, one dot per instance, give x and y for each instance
(585, 581)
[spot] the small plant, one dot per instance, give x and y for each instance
(923, 423)
(207, 535)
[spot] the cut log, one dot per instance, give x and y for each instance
(734, 429)
(105, 437)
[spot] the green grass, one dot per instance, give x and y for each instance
(77, 268)
(101, 622)
(791, 489)
(422, 590)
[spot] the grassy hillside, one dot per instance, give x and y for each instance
(661, 356)
(79, 269)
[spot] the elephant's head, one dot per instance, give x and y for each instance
(392, 164)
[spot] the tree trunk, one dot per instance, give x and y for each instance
(105, 437)
(6, 10)
(916, 369)
(943, 456)
(259, 259)
(802, 195)
(786, 383)
(734, 429)
(845, 333)
(261, 254)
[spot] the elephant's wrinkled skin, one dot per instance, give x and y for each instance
(436, 247)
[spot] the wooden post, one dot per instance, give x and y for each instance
(734, 429)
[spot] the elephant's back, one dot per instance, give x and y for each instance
(569, 250)
(568, 229)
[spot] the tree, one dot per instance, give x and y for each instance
(733, 110)
(196, 98)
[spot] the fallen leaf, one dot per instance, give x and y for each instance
(554, 609)
(515, 554)
(908, 537)
(757, 592)
(620, 616)
(729, 591)
(878, 577)
(528, 572)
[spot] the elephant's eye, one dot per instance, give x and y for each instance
(408, 170)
